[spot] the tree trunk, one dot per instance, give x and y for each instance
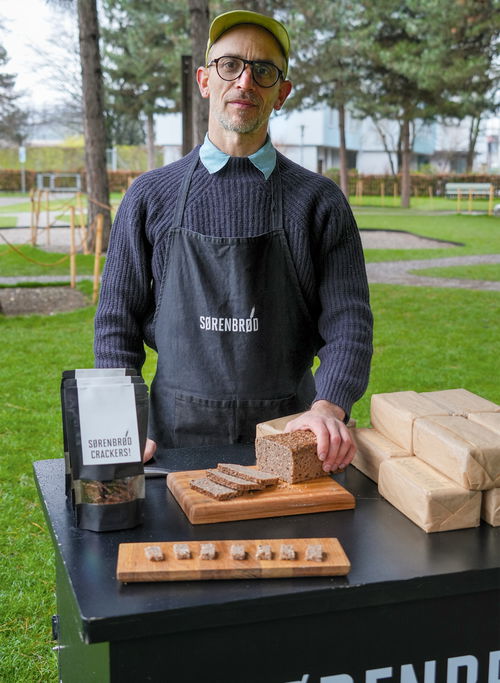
(387, 149)
(473, 134)
(405, 165)
(344, 177)
(93, 117)
(200, 23)
(150, 140)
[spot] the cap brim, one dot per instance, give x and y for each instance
(225, 21)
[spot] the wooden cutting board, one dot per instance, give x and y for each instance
(134, 566)
(318, 495)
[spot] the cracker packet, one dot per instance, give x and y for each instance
(106, 422)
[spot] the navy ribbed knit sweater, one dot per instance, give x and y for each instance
(236, 201)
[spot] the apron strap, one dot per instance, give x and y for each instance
(277, 200)
(183, 193)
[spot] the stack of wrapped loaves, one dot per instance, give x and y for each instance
(435, 456)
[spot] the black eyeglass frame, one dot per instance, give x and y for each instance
(251, 63)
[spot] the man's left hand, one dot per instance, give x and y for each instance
(336, 448)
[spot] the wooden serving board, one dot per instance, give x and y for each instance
(317, 495)
(134, 566)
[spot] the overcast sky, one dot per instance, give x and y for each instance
(28, 23)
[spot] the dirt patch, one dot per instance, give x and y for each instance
(40, 300)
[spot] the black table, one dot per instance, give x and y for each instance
(415, 608)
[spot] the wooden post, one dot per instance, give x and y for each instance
(32, 218)
(83, 228)
(382, 193)
(97, 259)
(459, 199)
(47, 216)
(469, 204)
(490, 201)
(72, 250)
(360, 191)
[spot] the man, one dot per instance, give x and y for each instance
(239, 266)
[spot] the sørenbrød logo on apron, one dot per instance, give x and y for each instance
(212, 324)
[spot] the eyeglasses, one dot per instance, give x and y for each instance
(265, 74)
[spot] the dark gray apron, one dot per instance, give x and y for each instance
(234, 337)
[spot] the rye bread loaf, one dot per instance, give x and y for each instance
(292, 456)
(249, 473)
(213, 490)
(233, 482)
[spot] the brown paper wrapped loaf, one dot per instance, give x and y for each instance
(489, 420)
(427, 497)
(292, 456)
(459, 448)
(372, 448)
(461, 402)
(490, 508)
(393, 415)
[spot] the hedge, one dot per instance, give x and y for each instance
(421, 184)
(10, 181)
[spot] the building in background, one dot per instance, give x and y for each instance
(311, 139)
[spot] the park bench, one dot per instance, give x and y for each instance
(467, 189)
(59, 182)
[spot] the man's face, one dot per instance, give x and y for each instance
(242, 106)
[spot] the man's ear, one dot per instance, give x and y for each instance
(284, 91)
(202, 80)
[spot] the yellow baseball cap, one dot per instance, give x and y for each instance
(225, 21)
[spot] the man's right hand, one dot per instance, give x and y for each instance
(150, 449)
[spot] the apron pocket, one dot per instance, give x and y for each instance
(202, 421)
(250, 412)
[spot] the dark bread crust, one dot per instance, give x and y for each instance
(213, 490)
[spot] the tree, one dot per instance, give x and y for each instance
(199, 26)
(59, 64)
(415, 66)
(13, 120)
(93, 115)
(473, 90)
(325, 60)
(143, 43)
(94, 125)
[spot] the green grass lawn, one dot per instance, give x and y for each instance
(425, 339)
(29, 262)
(477, 234)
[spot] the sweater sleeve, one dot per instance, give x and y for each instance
(126, 299)
(345, 321)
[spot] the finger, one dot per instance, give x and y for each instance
(348, 458)
(149, 450)
(340, 445)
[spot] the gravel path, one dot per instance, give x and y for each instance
(387, 272)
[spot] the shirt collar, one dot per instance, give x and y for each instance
(214, 159)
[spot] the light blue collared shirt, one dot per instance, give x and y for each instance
(214, 159)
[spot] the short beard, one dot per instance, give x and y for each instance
(239, 127)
